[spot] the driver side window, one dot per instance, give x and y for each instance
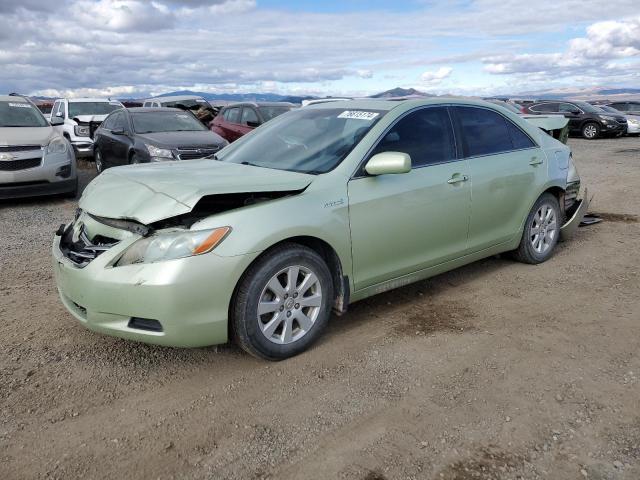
(425, 135)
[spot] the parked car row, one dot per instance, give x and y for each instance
(590, 120)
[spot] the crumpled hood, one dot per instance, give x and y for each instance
(27, 136)
(89, 118)
(152, 192)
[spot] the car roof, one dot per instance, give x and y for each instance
(262, 104)
(406, 104)
(87, 100)
(13, 98)
(153, 110)
(174, 98)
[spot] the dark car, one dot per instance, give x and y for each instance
(239, 119)
(630, 108)
(141, 135)
(584, 119)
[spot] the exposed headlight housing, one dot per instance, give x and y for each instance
(159, 154)
(81, 130)
(172, 245)
(56, 146)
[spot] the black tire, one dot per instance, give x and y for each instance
(244, 320)
(72, 194)
(98, 160)
(526, 252)
(590, 130)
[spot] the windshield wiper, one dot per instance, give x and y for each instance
(251, 164)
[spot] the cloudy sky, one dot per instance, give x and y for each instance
(132, 48)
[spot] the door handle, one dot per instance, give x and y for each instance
(535, 161)
(457, 179)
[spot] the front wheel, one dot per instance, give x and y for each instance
(135, 159)
(283, 303)
(541, 231)
(591, 131)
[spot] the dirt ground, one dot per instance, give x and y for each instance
(495, 371)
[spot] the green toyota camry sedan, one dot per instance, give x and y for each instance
(321, 207)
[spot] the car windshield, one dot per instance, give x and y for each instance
(269, 113)
(91, 108)
(178, 121)
(20, 114)
(306, 140)
(585, 107)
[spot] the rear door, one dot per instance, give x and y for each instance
(505, 165)
(108, 141)
(404, 223)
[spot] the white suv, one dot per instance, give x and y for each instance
(77, 115)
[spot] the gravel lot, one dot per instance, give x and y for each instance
(495, 371)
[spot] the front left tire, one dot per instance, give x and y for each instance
(283, 303)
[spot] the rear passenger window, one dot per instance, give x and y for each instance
(484, 132)
(426, 135)
(519, 139)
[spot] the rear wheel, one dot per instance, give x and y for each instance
(541, 231)
(591, 130)
(283, 303)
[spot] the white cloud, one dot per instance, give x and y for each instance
(436, 77)
(594, 54)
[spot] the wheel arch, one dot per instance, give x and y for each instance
(328, 253)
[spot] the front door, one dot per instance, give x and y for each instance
(404, 223)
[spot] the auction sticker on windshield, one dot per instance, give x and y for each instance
(358, 115)
(20, 105)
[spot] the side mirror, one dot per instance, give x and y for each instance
(575, 112)
(387, 163)
(118, 131)
(253, 124)
(56, 120)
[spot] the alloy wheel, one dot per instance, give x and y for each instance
(289, 305)
(543, 230)
(590, 131)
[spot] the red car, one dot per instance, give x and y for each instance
(239, 119)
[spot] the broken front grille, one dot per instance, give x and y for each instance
(76, 246)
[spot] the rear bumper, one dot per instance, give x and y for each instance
(576, 213)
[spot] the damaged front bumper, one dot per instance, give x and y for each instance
(575, 215)
(179, 303)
